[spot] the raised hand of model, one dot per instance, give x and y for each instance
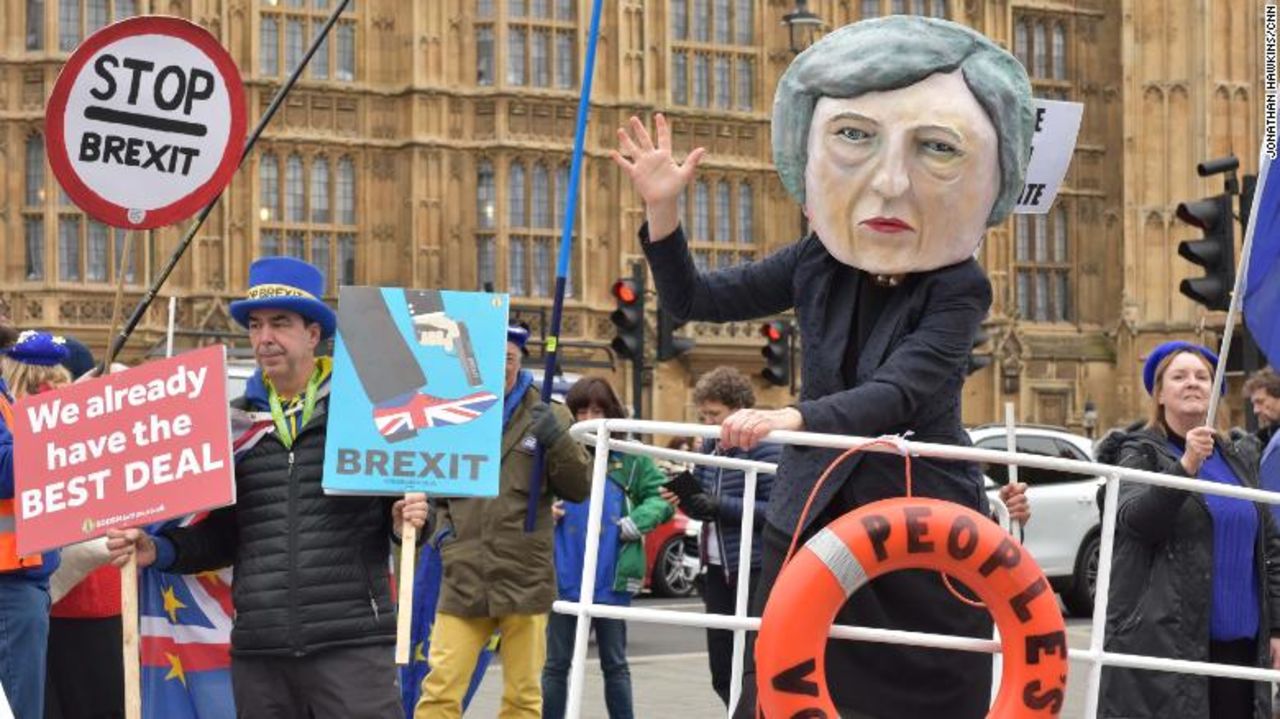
(654, 172)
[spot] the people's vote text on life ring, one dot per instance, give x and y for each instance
(146, 122)
(911, 533)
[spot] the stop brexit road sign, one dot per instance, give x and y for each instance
(146, 122)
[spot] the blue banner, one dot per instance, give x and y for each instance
(426, 593)
(1262, 288)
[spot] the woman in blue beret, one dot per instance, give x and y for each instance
(28, 366)
(1194, 576)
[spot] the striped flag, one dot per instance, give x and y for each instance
(185, 629)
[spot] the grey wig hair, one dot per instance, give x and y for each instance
(891, 53)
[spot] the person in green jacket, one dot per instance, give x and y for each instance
(633, 507)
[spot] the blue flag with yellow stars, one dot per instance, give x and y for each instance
(185, 632)
(426, 593)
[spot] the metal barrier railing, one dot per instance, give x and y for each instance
(598, 433)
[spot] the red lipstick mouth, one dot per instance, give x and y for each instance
(887, 225)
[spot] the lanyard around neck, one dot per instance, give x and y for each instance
(308, 407)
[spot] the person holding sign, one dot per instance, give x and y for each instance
(1193, 576)
(903, 138)
(84, 623)
(497, 577)
(314, 621)
(24, 581)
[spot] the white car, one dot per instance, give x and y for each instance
(238, 374)
(1063, 534)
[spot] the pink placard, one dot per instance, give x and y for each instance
(136, 447)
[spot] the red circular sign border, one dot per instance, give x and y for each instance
(96, 205)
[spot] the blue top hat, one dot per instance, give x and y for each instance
(1159, 353)
(286, 283)
(38, 348)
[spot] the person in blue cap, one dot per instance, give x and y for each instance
(34, 363)
(32, 359)
(498, 577)
(1194, 576)
(315, 620)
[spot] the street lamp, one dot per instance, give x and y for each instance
(807, 22)
(800, 18)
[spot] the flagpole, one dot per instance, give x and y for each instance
(404, 588)
(566, 247)
(129, 638)
(1237, 293)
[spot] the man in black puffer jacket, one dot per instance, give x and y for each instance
(314, 620)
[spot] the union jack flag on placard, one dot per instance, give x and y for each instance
(425, 411)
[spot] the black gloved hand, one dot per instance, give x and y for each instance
(701, 506)
(546, 427)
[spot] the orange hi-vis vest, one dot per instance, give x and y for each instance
(9, 559)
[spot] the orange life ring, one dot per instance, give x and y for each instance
(910, 533)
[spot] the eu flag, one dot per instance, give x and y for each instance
(426, 593)
(1262, 281)
(185, 629)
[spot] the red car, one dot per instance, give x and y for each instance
(671, 556)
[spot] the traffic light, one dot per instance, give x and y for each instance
(1247, 187)
(776, 352)
(978, 360)
(628, 318)
(1215, 251)
(670, 346)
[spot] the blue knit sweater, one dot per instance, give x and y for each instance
(1234, 607)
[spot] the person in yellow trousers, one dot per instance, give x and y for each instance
(497, 577)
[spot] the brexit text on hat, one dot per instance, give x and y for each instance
(262, 292)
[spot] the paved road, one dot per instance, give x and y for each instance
(670, 678)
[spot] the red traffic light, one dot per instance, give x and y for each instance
(771, 331)
(625, 292)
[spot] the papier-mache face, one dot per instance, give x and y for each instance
(904, 138)
(904, 180)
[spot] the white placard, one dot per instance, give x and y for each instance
(1054, 141)
(146, 122)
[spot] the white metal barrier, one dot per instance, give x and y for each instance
(598, 433)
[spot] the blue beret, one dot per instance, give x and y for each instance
(38, 348)
(1159, 353)
(518, 336)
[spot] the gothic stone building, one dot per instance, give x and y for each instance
(428, 145)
